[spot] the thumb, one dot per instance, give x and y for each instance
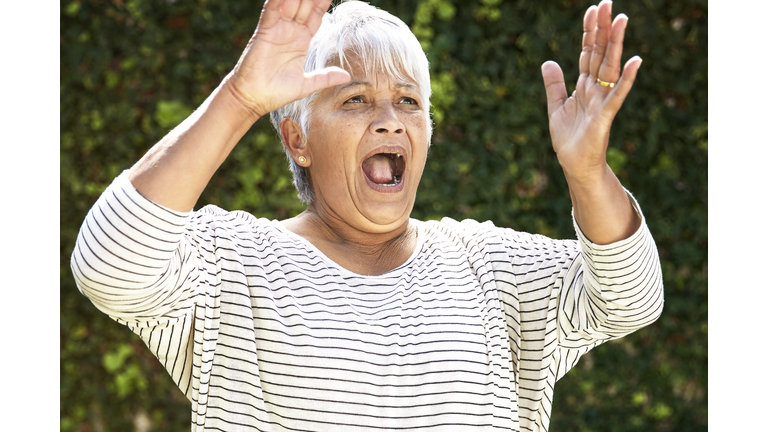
(323, 78)
(554, 83)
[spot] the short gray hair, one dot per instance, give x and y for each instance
(380, 41)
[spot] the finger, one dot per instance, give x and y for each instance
(315, 17)
(270, 13)
(588, 40)
(323, 78)
(289, 9)
(611, 67)
(305, 8)
(617, 96)
(554, 83)
(601, 37)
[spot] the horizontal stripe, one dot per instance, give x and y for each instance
(263, 332)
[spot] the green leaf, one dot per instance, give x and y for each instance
(616, 159)
(114, 360)
(170, 113)
(72, 8)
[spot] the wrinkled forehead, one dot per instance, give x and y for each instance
(375, 71)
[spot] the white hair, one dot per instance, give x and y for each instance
(376, 39)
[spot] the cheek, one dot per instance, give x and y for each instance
(416, 123)
(336, 154)
(417, 133)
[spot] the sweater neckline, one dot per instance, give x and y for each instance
(345, 272)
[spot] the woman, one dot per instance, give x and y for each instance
(352, 315)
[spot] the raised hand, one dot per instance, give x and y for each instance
(270, 73)
(580, 124)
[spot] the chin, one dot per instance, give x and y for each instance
(387, 217)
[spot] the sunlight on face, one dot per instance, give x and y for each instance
(368, 142)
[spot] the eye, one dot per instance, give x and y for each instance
(409, 101)
(355, 100)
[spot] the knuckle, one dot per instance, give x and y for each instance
(611, 64)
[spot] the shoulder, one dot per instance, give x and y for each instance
(488, 237)
(472, 230)
(451, 228)
(236, 222)
(466, 234)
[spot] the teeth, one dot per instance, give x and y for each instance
(395, 181)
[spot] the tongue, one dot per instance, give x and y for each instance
(379, 169)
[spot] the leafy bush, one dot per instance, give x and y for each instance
(131, 70)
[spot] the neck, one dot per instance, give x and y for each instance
(356, 250)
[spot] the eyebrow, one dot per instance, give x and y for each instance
(368, 84)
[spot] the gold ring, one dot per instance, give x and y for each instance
(605, 84)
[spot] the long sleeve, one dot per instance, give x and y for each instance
(139, 263)
(129, 259)
(616, 290)
(561, 298)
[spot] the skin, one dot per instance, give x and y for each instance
(580, 126)
(358, 226)
(269, 74)
(348, 217)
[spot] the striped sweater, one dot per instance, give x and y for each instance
(263, 332)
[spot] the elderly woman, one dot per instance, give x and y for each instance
(352, 315)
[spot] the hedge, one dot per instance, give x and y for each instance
(133, 69)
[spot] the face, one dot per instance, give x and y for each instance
(367, 147)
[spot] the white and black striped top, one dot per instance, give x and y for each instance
(262, 332)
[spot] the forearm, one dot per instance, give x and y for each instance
(175, 171)
(601, 206)
(610, 290)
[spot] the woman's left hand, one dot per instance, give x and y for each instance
(580, 124)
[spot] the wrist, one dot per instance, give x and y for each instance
(589, 177)
(601, 206)
(240, 107)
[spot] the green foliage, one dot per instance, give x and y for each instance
(168, 114)
(131, 70)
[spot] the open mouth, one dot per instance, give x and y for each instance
(385, 169)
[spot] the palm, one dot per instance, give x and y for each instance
(580, 124)
(270, 72)
(581, 120)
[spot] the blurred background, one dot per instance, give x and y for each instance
(131, 70)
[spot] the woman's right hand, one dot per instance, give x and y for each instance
(269, 75)
(270, 72)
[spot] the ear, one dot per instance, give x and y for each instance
(294, 141)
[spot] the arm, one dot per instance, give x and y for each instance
(580, 127)
(615, 285)
(131, 258)
(269, 74)
(135, 257)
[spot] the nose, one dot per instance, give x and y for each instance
(386, 121)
